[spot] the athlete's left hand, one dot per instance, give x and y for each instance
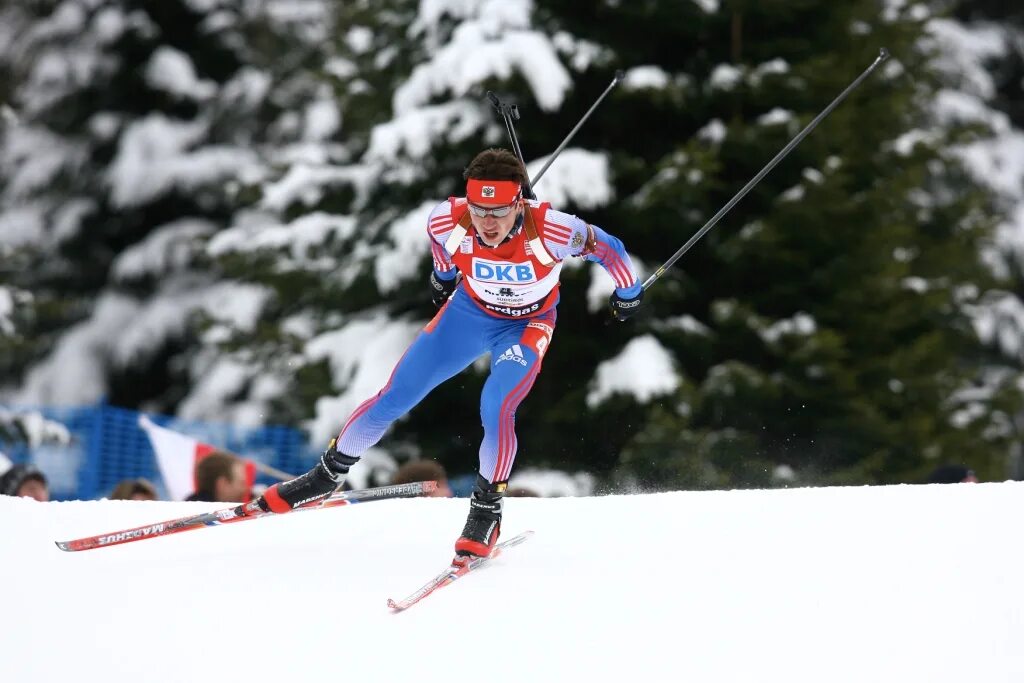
(622, 308)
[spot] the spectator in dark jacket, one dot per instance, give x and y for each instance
(25, 481)
(952, 474)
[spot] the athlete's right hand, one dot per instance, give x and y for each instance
(440, 289)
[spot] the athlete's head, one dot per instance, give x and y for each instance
(494, 190)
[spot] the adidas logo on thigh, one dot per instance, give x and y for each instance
(513, 353)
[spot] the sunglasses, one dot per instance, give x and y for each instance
(498, 212)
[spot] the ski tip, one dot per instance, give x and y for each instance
(394, 605)
(63, 545)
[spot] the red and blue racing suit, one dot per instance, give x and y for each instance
(505, 305)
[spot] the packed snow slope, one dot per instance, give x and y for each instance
(900, 583)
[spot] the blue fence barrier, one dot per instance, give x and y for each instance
(108, 446)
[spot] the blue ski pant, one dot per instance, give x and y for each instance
(459, 334)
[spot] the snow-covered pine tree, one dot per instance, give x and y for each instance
(269, 167)
(133, 131)
(821, 332)
(345, 238)
(29, 427)
(983, 67)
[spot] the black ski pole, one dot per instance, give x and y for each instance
(510, 112)
(619, 75)
(883, 54)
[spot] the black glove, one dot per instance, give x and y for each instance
(623, 309)
(440, 289)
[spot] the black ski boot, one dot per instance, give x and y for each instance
(484, 522)
(319, 482)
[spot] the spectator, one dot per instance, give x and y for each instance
(134, 489)
(424, 470)
(221, 478)
(25, 481)
(952, 474)
(522, 492)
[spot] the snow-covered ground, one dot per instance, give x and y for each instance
(899, 583)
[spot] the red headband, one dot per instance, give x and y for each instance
(492, 191)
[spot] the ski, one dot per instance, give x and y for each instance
(456, 571)
(241, 513)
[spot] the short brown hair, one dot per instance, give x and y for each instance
(127, 488)
(212, 467)
(496, 164)
(420, 470)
